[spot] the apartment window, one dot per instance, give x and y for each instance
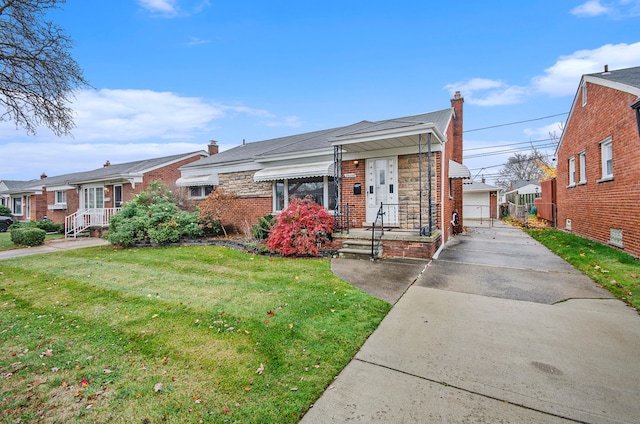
(584, 93)
(61, 197)
(321, 190)
(200, 192)
(583, 167)
(606, 152)
(572, 171)
(16, 205)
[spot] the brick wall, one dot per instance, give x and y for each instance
(596, 207)
(357, 203)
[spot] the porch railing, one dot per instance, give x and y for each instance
(341, 219)
(376, 239)
(83, 219)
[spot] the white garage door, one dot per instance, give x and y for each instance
(475, 205)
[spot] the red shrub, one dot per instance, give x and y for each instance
(300, 228)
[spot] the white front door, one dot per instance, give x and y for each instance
(382, 188)
(92, 197)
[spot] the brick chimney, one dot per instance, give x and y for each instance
(43, 176)
(213, 147)
(457, 103)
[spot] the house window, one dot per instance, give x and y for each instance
(321, 190)
(583, 167)
(584, 93)
(200, 192)
(606, 152)
(117, 196)
(16, 206)
(572, 171)
(61, 197)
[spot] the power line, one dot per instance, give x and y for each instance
(515, 123)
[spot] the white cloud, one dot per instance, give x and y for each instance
(590, 8)
(164, 7)
(547, 131)
(560, 79)
(617, 10)
(195, 41)
(563, 77)
(486, 92)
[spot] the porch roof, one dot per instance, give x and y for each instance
(308, 170)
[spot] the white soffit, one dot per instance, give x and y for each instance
(197, 180)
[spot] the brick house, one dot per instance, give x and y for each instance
(598, 175)
(409, 168)
(86, 200)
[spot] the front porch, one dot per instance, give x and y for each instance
(85, 220)
(393, 242)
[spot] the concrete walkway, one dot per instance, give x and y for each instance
(54, 245)
(496, 330)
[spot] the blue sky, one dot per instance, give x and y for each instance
(170, 75)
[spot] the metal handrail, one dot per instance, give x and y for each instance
(341, 219)
(375, 243)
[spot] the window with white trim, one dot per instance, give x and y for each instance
(582, 157)
(16, 206)
(606, 154)
(321, 190)
(61, 197)
(200, 192)
(572, 171)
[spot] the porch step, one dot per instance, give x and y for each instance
(357, 249)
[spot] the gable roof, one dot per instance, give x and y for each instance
(625, 80)
(318, 140)
(110, 172)
(622, 79)
(15, 187)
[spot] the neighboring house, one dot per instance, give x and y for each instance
(598, 177)
(522, 192)
(355, 171)
(479, 200)
(85, 200)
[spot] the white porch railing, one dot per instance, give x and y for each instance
(87, 218)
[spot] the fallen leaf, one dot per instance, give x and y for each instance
(107, 371)
(39, 381)
(157, 387)
(47, 353)
(260, 369)
(84, 383)
(270, 313)
(634, 275)
(247, 388)
(226, 410)
(294, 389)
(290, 325)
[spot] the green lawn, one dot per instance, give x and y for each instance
(181, 334)
(613, 269)
(7, 244)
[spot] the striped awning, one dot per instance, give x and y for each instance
(458, 171)
(307, 170)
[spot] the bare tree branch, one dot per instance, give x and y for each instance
(38, 76)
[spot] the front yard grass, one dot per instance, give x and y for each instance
(613, 269)
(180, 334)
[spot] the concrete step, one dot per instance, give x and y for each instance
(354, 253)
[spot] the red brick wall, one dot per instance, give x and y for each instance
(167, 174)
(357, 203)
(596, 207)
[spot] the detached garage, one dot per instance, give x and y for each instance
(479, 201)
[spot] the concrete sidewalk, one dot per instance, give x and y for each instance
(497, 330)
(54, 245)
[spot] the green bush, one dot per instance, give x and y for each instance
(27, 236)
(263, 228)
(152, 217)
(5, 211)
(50, 226)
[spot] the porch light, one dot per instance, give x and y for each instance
(356, 163)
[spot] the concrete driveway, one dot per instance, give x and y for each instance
(496, 330)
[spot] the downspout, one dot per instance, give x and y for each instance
(429, 189)
(442, 194)
(420, 183)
